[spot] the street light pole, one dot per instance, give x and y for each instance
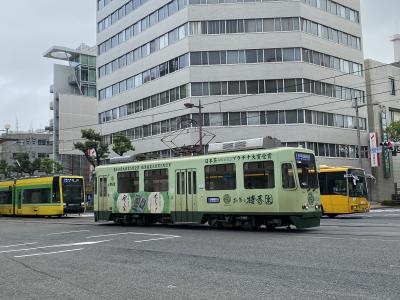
(200, 128)
(200, 115)
(355, 103)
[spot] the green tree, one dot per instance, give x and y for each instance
(393, 131)
(50, 166)
(24, 165)
(5, 169)
(121, 144)
(93, 143)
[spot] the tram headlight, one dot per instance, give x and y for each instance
(305, 207)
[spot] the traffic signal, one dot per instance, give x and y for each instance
(389, 145)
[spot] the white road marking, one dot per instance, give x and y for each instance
(163, 238)
(17, 245)
(134, 233)
(353, 239)
(55, 246)
(385, 210)
(49, 253)
(66, 232)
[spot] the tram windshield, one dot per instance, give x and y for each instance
(306, 170)
(357, 183)
(72, 190)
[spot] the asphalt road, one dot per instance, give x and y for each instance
(352, 257)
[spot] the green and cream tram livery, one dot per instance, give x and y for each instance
(271, 187)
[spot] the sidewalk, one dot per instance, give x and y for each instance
(375, 205)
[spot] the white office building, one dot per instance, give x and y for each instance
(288, 69)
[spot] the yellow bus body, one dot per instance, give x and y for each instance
(333, 204)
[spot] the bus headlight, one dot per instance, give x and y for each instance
(305, 207)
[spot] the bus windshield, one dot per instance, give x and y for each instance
(72, 190)
(306, 170)
(357, 183)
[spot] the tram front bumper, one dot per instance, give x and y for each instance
(308, 220)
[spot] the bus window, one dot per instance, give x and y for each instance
(357, 184)
(306, 170)
(259, 175)
(128, 182)
(156, 180)
(336, 183)
(287, 176)
(220, 177)
(323, 184)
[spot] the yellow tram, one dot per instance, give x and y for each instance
(42, 196)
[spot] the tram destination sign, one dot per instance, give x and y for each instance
(303, 156)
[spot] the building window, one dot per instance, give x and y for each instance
(392, 86)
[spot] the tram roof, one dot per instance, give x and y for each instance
(207, 156)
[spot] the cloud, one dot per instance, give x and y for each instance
(25, 76)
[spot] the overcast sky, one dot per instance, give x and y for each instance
(29, 28)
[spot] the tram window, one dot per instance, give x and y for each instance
(220, 177)
(128, 182)
(306, 170)
(259, 175)
(6, 197)
(180, 183)
(56, 190)
(288, 176)
(36, 196)
(156, 180)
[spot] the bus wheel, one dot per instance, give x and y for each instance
(332, 216)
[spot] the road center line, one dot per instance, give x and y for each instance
(134, 233)
(55, 246)
(163, 238)
(353, 239)
(17, 245)
(66, 232)
(49, 253)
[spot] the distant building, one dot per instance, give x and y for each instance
(74, 104)
(287, 69)
(383, 90)
(36, 144)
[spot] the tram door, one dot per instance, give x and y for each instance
(102, 195)
(18, 202)
(186, 195)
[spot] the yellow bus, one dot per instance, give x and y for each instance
(343, 190)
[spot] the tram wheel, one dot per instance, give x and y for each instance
(332, 216)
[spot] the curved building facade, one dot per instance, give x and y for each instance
(289, 69)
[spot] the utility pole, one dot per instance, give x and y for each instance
(200, 115)
(355, 105)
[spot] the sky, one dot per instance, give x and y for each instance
(29, 28)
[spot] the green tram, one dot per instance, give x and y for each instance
(271, 187)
